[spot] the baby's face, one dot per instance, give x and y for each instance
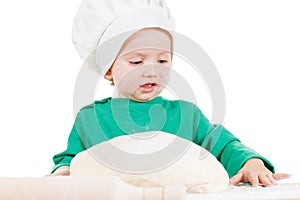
(141, 70)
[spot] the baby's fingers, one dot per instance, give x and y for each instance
(236, 179)
(280, 176)
(267, 180)
(253, 179)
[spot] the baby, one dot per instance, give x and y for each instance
(140, 72)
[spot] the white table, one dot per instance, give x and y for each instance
(284, 191)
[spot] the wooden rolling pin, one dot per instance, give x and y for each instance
(87, 187)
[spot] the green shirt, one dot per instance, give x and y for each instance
(112, 117)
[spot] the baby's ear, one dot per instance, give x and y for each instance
(108, 75)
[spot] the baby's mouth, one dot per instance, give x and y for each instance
(148, 87)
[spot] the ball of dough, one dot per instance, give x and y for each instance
(194, 167)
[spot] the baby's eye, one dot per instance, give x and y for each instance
(135, 62)
(162, 61)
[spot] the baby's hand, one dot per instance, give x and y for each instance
(61, 171)
(255, 172)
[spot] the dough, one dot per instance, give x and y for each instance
(153, 159)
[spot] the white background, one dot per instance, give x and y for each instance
(255, 46)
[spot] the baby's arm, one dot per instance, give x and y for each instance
(241, 162)
(61, 171)
(62, 160)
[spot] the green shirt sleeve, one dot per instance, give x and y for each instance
(235, 154)
(74, 147)
(225, 146)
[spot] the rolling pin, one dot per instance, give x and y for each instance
(86, 187)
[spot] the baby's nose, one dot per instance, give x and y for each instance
(150, 71)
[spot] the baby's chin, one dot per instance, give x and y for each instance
(139, 95)
(146, 96)
(142, 97)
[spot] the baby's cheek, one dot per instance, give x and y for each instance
(129, 75)
(117, 76)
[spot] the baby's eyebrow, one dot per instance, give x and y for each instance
(145, 54)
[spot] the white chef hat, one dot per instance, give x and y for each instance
(102, 26)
